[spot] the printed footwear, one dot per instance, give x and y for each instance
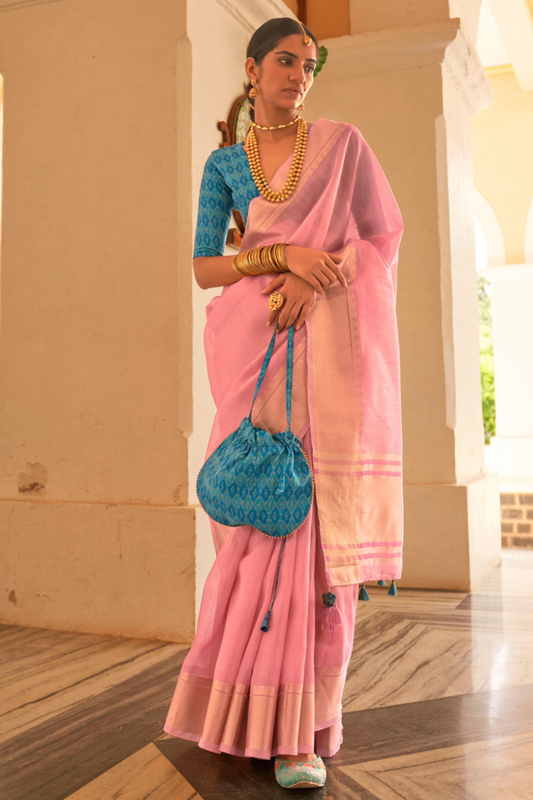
(297, 774)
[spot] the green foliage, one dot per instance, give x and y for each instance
(486, 359)
(321, 60)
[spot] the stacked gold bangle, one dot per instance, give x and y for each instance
(268, 258)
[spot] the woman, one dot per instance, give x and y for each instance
(318, 190)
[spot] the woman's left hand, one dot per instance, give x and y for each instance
(299, 298)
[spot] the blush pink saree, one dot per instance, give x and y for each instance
(241, 690)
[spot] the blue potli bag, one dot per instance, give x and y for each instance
(258, 478)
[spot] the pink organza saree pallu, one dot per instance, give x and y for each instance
(241, 690)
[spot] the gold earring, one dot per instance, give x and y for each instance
(253, 91)
(299, 107)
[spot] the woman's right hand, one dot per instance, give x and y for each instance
(317, 267)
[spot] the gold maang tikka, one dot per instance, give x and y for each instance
(307, 39)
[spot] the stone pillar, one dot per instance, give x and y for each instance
(96, 530)
(412, 92)
(110, 111)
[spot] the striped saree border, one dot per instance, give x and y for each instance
(383, 555)
(344, 464)
(341, 458)
(255, 720)
(397, 543)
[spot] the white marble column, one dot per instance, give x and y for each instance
(511, 450)
(412, 92)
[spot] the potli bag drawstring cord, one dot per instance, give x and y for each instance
(264, 626)
(329, 613)
(288, 403)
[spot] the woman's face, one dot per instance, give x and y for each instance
(289, 65)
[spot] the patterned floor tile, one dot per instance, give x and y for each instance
(90, 732)
(498, 768)
(44, 673)
(439, 694)
(146, 775)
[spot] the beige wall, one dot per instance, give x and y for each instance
(345, 17)
(327, 20)
(292, 5)
(503, 160)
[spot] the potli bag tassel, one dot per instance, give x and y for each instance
(392, 589)
(329, 613)
(382, 583)
(363, 594)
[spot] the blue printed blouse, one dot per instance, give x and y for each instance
(227, 183)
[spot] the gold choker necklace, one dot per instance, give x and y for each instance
(275, 127)
(252, 152)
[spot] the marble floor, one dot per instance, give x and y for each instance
(438, 705)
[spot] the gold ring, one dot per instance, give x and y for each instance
(275, 300)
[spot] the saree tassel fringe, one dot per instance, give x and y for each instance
(363, 594)
(329, 613)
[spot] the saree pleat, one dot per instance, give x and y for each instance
(248, 692)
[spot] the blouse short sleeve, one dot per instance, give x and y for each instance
(215, 206)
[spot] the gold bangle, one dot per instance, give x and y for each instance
(240, 264)
(235, 264)
(269, 262)
(282, 257)
(260, 260)
(273, 258)
(245, 262)
(279, 257)
(262, 256)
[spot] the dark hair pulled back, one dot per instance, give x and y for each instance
(267, 37)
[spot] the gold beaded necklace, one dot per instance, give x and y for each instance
(274, 127)
(252, 151)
